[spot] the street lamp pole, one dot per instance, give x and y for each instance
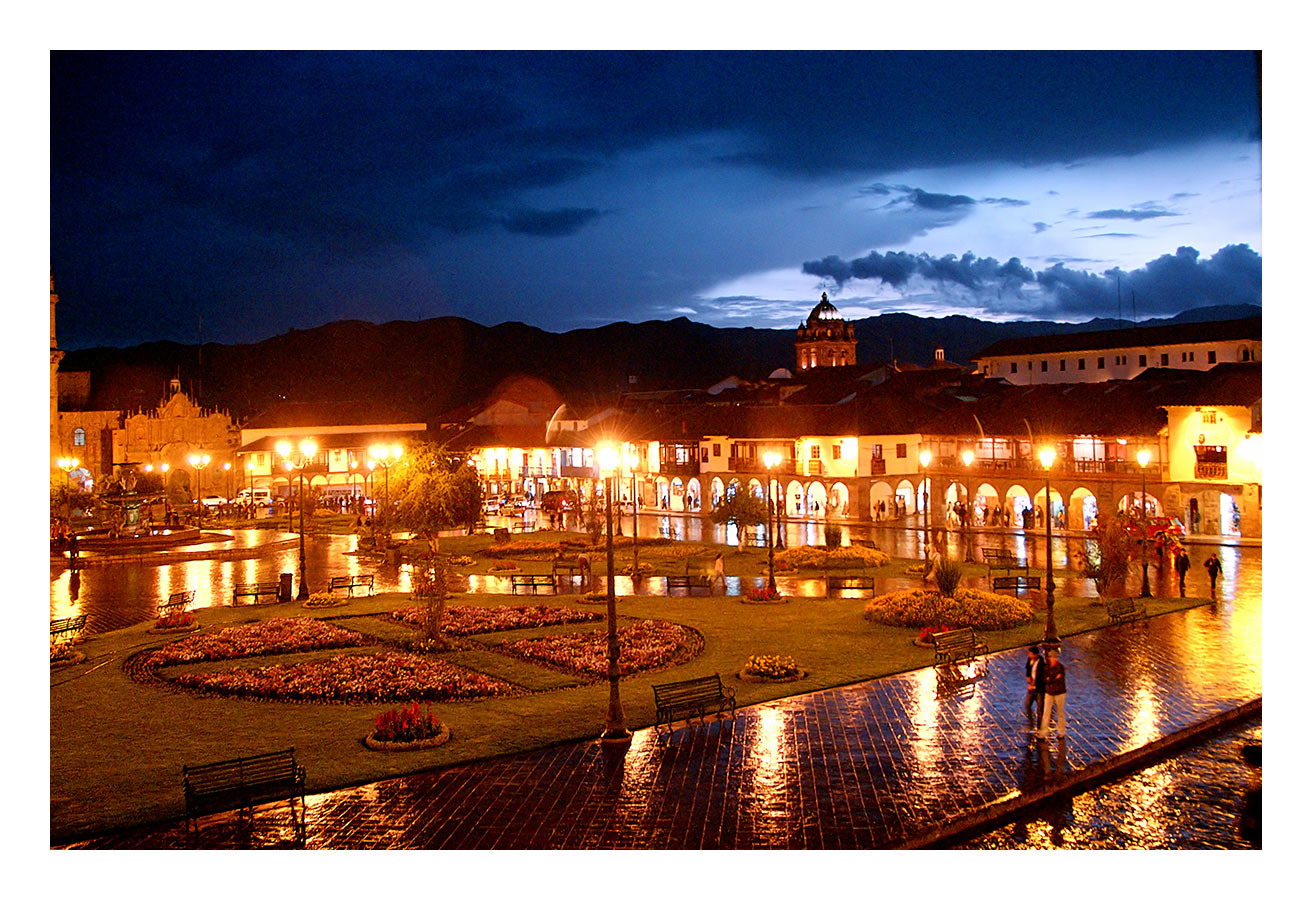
(925, 458)
(967, 457)
(386, 457)
(616, 733)
(771, 459)
(198, 462)
(1143, 456)
(1047, 456)
(632, 459)
(308, 449)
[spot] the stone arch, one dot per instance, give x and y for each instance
(1055, 506)
(816, 499)
(794, 499)
(986, 503)
(1015, 502)
(693, 495)
(880, 492)
(662, 492)
(756, 489)
(733, 488)
(717, 492)
(1129, 504)
(906, 492)
(840, 499)
(1083, 509)
(677, 495)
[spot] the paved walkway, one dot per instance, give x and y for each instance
(867, 766)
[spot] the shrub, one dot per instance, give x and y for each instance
(1105, 557)
(833, 536)
(948, 575)
(772, 666)
(820, 558)
(918, 607)
(406, 724)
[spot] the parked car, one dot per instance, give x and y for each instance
(1156, 525)
(212, 501)
(559, 501)
(260, 496)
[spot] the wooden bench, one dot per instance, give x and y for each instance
(689, 582)
(240, 784)
(349, 583)
(957, 645)
(531, 583)
(1124, 609)
(1017, 583)
(839, 583)
(68, 629)
(694, 697)
(257, 590)
(1001, 561)
(563, 568)
(176, 602)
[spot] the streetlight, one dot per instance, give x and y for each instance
(925, 459)
(1047, 456)
(632, 458)
(386, 456)
(308, 449)
(967, 457)
(771, 458)
(616, 734)
(198, 462)
(1143, 456)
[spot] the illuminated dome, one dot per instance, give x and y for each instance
(824, 312)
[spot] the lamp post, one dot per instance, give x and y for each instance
(1143, 456)
(616, 734)
(386, 456)
(631, 457)
(925, 459)
(198, 462)
(771, 459)
(967, 457)
(1047, 456)
(308, 448)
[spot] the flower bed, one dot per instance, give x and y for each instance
(406, 729)
(820, 557)
(176, 622)
(597, 598)
(361, 678)
(257, 639)
(919, 607)
(323, 601)
(763, 595)
(462, 560)
(503, 567)
(463, 620)
(767, 668)
(644, 645)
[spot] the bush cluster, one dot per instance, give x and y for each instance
(919, 607)
(819, 557)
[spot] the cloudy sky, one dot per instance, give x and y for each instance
(257, 191)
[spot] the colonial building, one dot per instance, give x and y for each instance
(824, 339)
(1122, 353)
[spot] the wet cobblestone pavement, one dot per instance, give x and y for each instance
(864, 766)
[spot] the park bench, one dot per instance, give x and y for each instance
(839, 583)
(531, 583)
(564, 568)
(176, 602)
(239, 784)
(752, 540)
(523, 527)
(957, 645)
(1124, 609)
(1001, 560)
(349, 583)
(1017, 583)
(696, 576)
(256, 589)
(67, 629)
(694, 697)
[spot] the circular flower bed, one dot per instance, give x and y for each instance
(771, 668)
(919, 607)
(175, 623)
(763, 595)
(362, 678)
(597, 598)
(405, 729)
(644, 646)
(320, 600)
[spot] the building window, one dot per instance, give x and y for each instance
(836, 450)
(1184, 357)
(1191, 356)
(1245, 355)
(1062, 365)
(1143, 360)
(705, 454)
(1029, 365)
(877, 451)
(1081, 364)
(815, 451)
(1166, 359)
(1209, 417)
(901, 451)
(1013, 368)
(1043, 366)
(1211, 356)
(79, 437)
(715, 449)
(1102, 362)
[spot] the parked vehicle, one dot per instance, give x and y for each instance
(559, 501)
(1155, 525)
(212, 501)
(260, 496)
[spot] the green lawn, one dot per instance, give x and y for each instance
(118, 746)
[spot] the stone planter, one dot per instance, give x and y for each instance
(443, 735)
(746, 676)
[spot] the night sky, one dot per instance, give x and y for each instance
(256, 191)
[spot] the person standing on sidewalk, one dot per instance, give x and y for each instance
(1054, 697)
(1213, 567)
(1181, 567)
(1033, 682)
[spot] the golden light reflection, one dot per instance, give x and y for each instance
(1145, 724)
(767, 759)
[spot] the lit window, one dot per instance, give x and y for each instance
(79, 437)
(815, 451)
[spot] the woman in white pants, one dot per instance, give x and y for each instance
(1054, 696)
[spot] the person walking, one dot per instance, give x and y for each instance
(1213, 567)
(1033, 682)
(1054, 697)
(1182, 567)
(718, 576)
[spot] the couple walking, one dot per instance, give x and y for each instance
(1045, 681)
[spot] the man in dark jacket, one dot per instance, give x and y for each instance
(1181, 567)
(1033, 682)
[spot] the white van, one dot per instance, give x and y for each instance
(260, 496)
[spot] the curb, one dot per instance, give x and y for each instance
(1015, 804)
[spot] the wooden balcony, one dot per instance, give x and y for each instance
(1211, 470)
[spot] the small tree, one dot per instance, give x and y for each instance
(833, 536)
(1105, 557)
(428, 585)
(435, 490)
(742, 508)
(594, 513)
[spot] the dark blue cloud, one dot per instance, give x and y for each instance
(939, 202)
(550, 222)
(1136, 215)
(896, 269)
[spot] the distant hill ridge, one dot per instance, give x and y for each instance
(427, 367)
